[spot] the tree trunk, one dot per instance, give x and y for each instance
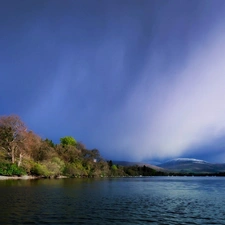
(20, 160)
(13, 155)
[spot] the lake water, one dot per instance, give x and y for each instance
(150, 200)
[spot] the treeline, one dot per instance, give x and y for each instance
(22, 152)
(142, 171)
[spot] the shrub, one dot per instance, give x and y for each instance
(75, 169)
(39, 170)
(9, 169)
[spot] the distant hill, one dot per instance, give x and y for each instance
(189, 165)
(125, 163)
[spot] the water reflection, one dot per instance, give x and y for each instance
(158, 200)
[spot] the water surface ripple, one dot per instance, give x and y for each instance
(151, 200)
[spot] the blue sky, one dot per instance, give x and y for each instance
(138, 80)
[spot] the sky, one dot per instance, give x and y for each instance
(140, 80)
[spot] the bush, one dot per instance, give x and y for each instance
(59, 162)
(27, 164)
(75, 169)
(9, 169)
(39, 170)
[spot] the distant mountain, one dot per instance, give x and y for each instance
(189, 165)
(187, 160)
(125, 163)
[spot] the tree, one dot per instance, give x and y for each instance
(12, 136)
(110, 163)
(68, 153)
(32, 145)
(50, 142)
(80, 145)
(114, 167)
(68, 140)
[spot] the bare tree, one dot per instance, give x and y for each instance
(12, 136)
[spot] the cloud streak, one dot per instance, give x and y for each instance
(174, 116)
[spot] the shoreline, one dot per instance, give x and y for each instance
(26, 177)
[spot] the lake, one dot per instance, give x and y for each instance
(142, 200)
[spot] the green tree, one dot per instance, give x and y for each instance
(114, 167)
(68, 140)
(50, 142)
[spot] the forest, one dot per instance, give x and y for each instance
(23, 152)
